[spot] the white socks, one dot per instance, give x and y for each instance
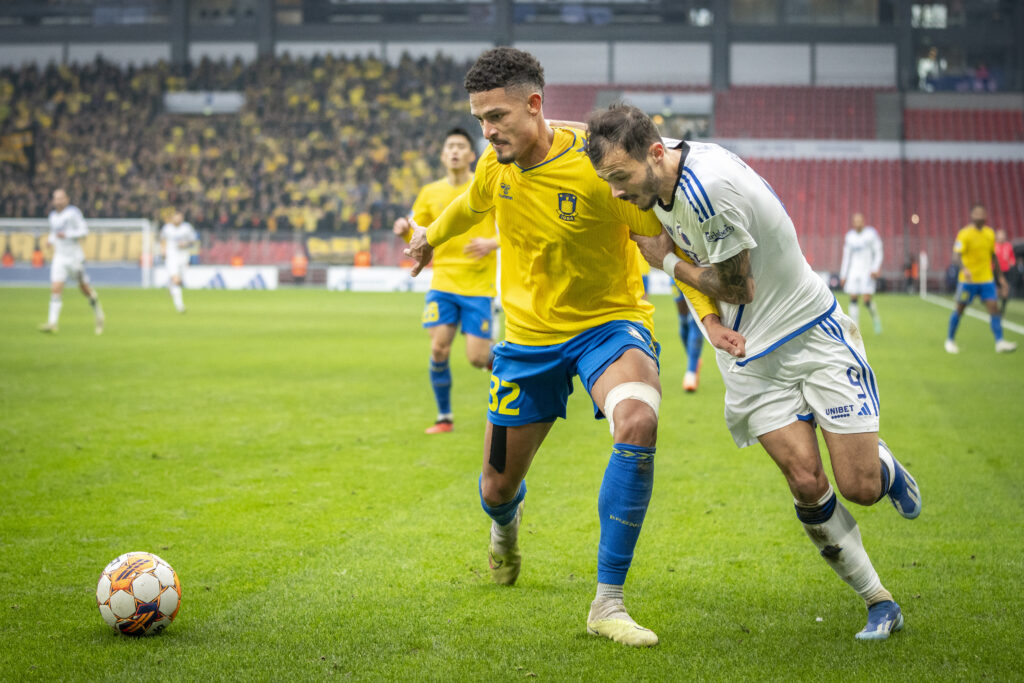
(503, 538)
(176, 297)
(855, 313)
(54, 314)
(838, 540)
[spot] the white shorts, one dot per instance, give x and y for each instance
(176, 266)
(859, 283)
(819, 376)
(64, 268)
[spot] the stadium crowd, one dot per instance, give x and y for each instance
(328, 143)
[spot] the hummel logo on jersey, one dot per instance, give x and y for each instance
(682, 235)
(567, 206)
(864, 410)
(718, 235)
(505, 190)
(636, 334)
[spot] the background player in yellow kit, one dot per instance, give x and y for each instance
(572, 293)
(975, 250)
(463, 287)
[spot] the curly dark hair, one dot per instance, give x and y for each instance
(505, 67)
(623, 125)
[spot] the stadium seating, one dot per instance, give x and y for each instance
(795, 112)
(952, 124)
(220, 251)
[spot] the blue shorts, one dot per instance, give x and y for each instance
(445, 308)
(532, 383)
(966, 291)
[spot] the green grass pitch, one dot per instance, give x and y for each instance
(269, 446)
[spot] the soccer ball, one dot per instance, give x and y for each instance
(138, 594)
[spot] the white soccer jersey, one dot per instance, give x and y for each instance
(176, 239)
(721, 207)
(71, 224)
(862, 253)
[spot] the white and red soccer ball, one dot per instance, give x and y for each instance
(138, 594)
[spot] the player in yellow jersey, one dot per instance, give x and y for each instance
(974, 253)
(463, 287)
(573, 300)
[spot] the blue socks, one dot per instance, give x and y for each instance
(621, 506)
(954, 321)
(996, 323)
(441, 381)
(504, 514)
(693, 340)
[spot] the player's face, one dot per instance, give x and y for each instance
(630, 180)
(177, 218)
(979, 216)
(857, 221)
(507, 120)
(457, 154)
(60, 199)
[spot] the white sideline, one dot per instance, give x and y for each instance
(939, 301)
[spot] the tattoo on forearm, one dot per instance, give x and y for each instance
(729, 280)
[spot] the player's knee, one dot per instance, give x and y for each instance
(497, 490)
(439, 352)
(861, 490)
(805, 484)
(479, 360)
(635, 423)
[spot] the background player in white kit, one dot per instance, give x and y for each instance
(178, 236)
(804, 360)
(67, 229)
(862, 264)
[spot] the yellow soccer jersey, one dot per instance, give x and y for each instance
(455, 271)
(567, 264)
(976, 249)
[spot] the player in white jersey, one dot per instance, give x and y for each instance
(178, 236)
(804, 361)
(862, 264)
(67, 229)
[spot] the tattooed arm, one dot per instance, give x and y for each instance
(729, 281)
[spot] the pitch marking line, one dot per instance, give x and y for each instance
(939, 301)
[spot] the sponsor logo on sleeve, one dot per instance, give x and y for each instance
(720, 234)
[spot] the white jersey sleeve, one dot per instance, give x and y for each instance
(877, 251)
(844, 269)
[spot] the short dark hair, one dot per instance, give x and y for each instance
(975, 205)
(505, 67)
(464, 133)
(622, 125)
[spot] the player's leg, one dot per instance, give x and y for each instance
(964, 295)
(853, 310)
(693, 342)
(92, 296)
(477, 316)
(174, 288)
(56, 300)
(991, 300)
(876, 318)
(508, 452)
(630, 393)
(441, 337)
(827, 522)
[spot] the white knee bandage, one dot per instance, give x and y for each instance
(637, 391)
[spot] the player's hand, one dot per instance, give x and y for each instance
(730, 341)
(653, 249)
(842, 282)
(966, 275)
(876, 274)
(419, 249)
(479, 247)
(1004, 288)
(401, 226)
(60, 234)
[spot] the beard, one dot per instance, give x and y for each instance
(505, 157)
(647, 197)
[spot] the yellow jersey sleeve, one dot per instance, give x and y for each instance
(702, 303)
